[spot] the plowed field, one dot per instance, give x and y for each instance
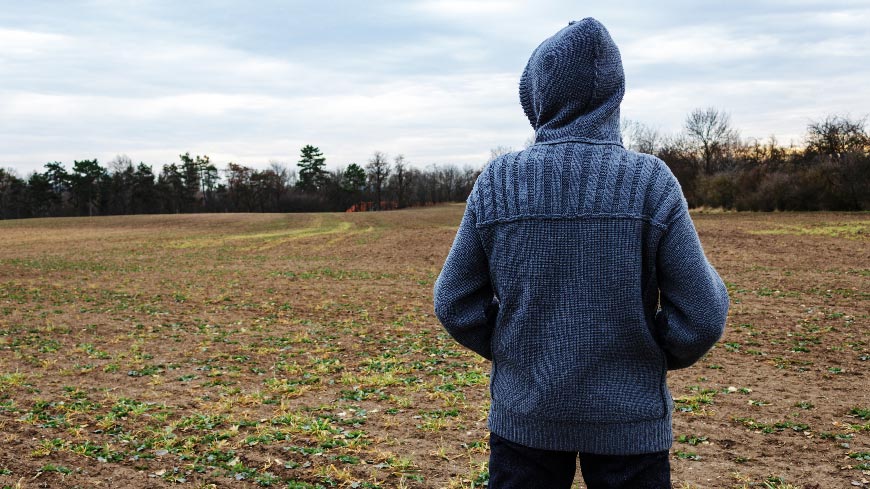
(300, 351)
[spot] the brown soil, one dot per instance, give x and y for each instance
(301, 351)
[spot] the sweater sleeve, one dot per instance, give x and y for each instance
(694, 300)
(464, 299)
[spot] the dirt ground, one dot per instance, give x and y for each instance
(301, 351)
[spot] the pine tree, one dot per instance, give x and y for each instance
(190, 177)
(86, 178)
(312, 176)
(353, 179)
(144, 190)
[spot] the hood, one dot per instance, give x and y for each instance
(573, 84)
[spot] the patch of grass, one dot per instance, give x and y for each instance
(60, 469)
(691, 439)
(852, 230)
(331, 273)
(836, 436)
(771, 428)
(10, 380)
(686, 455)
(694, 404)
(776, 482)
(863, 413)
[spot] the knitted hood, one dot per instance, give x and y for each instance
(573, 84)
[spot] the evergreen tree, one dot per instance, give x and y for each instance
(312, 176)
(171, 187)
(354, 178)
(209, 178)
(144, 190)
(58, 176)
(59, 179)
(191, 171)
(87, 178)
(12, 192)
(120, 189)
(40, 195)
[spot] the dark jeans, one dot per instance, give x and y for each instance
(514, 466)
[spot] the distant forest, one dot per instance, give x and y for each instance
(715, 167)
(195, 184)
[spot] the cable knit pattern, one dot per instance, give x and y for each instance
(577, 270)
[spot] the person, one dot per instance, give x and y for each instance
(577, 270)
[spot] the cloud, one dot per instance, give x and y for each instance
(844, 19)
(435, 80)
(17, 43)
(466, 8)
(414, 116)
(695, 45)
(789, 104)
(89, 65)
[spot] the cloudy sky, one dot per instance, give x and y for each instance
(253, 81)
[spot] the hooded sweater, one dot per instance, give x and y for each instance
(576, 268)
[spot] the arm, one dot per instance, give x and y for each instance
(694, 301)
(464, 300)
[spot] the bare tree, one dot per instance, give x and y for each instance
(640, 137)
(710, 130)
(120, 178)
(378, 170)
(498, 151)
(447, 182)
(120, 163)
(399, 180)
(836, 135)
(239, 187)
(280, 183)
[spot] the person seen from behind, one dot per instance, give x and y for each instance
(578, 272)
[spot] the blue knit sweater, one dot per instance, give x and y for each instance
(576, 268)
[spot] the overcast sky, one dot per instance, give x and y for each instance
(254, 81)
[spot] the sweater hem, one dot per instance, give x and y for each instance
(626, 438)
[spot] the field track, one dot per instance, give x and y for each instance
(301, 351)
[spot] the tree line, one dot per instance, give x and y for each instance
(195, 184)
(715, 167)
